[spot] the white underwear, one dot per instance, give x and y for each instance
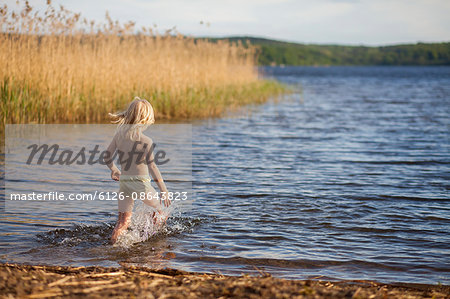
(136, 187)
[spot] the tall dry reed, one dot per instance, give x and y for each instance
(56, 66)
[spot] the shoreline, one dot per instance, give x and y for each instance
(34, 281)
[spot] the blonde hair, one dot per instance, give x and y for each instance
(138, 116)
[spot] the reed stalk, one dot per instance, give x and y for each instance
(58, 67)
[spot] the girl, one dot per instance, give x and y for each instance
(136, 158)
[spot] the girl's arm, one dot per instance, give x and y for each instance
(157, 177)
(108, 159)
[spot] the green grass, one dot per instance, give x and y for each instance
(20, 103)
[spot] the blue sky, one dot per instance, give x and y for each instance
(369, 22)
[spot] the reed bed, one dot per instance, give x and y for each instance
(56, 66)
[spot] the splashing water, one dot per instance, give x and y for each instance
(89, 235)
(76, 235)
(145, 223)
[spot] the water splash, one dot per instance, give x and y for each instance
(142, 229)
(146, 222)
(77, 234)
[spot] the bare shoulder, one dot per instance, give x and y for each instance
(116, 136)
(114, 139)
(146, 140)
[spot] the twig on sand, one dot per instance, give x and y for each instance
(48, 293)
(104, 274)
(59, 281)
(154, 274)
(84, 282)
(99, 288)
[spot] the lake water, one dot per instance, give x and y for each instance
(346, 178)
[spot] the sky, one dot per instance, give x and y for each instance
(356, 22)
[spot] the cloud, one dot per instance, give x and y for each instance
(371, 22)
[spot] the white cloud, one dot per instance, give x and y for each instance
(313, 21)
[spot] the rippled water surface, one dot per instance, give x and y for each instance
(347, 179)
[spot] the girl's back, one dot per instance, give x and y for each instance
(133, 153)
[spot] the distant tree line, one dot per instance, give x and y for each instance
(273, 52)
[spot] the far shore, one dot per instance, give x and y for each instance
(26, 281)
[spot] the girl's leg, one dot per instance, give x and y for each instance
(158, 217)
(125, 206)
(122, 224)
(154, 203)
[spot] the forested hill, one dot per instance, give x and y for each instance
(284, 53)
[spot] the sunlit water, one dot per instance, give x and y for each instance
(347, 179)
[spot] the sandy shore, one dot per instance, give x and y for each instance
(23, 281)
